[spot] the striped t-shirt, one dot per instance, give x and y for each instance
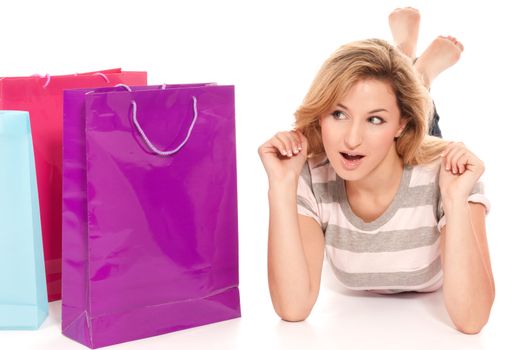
(400, 250)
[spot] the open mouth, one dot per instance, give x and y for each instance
(351, 157)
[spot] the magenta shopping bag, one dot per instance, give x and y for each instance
(150, 228)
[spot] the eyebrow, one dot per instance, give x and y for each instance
(370, 112)
(378, 110)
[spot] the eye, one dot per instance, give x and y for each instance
(376, 120)
(339, 115)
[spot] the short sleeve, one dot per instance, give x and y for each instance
(476, 196)
(307, 203)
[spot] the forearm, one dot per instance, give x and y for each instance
(289, 280)
(468, 286)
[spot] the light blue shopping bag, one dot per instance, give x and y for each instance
(23, 294)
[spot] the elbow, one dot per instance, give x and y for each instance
(472, 324)
(293, 313)
(471, 318)
(469, 328)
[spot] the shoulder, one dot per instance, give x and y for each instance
(425, 174)
(319, 181)
(318, 170)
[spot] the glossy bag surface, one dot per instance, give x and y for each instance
(43, 98)
(150, 238)
(23, 293)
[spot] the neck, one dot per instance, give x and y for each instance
(383, 179)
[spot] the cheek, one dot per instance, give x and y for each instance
(329, 135)
(382, 142)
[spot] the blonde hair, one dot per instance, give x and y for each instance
(372, 59)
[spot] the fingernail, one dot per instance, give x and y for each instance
(295, 151)
(284, 153)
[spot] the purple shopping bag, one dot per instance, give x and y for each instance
(150, 227)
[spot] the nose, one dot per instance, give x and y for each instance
(354, 135)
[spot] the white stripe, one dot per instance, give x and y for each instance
(323, 174)
(411, 218)
(303, 211)
(404, 218)
(424, 174)
(387, 262)
(480, 198)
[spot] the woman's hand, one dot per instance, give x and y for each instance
(460, 170)
(284, 155)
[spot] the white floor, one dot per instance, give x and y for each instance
(340, 320)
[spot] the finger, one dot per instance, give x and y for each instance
(446, 158)
(285, 139)
(454, 150)
(472, 162)
(279, 145)
(294, 140)
(298, 141)
(452, 160)
(461, 163)
(447, 149)
(296, 148)
(454, 157)
(303, 143)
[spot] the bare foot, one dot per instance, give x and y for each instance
(404, 26)
(442, 53)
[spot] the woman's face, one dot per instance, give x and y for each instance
(358, 132)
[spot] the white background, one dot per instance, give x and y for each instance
(271, 50)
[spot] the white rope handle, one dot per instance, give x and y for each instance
(162, 87)
(47, 77)
(124, 86)
(144, 136)
(150, 144)
(102, 75)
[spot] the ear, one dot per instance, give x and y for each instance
(403, 124)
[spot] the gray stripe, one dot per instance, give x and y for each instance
(326, 192)
(396, 291)
(406, 197)
(306, 174)
(332, 192)
(388, 241)
(478, 188)
(302, 202)
(323, 163)
(384, 279)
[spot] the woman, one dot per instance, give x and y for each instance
(395, 210)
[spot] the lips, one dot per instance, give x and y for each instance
(351, 160)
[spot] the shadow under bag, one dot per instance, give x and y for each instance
(150, 223)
